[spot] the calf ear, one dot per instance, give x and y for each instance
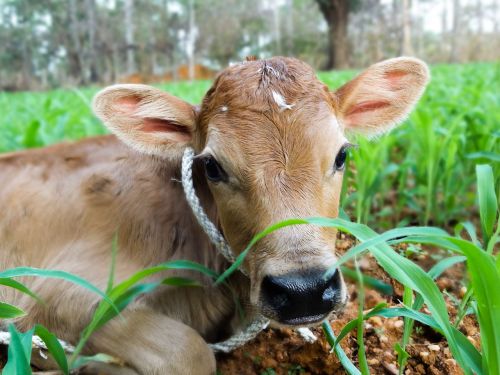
(382, 96)
(146, 118)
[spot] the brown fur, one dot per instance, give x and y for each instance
(273, 127)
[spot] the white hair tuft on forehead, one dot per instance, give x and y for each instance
(280, 101)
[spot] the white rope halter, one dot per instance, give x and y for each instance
(220, 243)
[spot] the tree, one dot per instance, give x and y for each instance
(454, 52)
(74, 49)
(336, 14)
(129, 36)
(191, 39)
(90, 9)
(406, 48)
(54, 43)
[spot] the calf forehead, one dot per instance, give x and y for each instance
(267, 88)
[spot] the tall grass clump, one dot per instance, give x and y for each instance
(114, 299)
(423, 172)
(483, 268)
(35, 119)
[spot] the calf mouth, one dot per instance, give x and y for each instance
(310, 320)
(307, 320)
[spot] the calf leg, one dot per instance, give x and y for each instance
(152, 343)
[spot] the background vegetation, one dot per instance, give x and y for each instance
(53, 43)
(421, 173)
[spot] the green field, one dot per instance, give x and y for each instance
(423, 172)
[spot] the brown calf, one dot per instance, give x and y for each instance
(271, 145)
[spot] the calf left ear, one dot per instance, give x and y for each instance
(146, 118)
(382, 96)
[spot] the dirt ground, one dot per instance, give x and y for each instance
(283, 351)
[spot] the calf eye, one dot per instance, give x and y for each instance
(340, 158)
(213, 170)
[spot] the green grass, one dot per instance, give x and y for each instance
(422, 172)
(35, 119)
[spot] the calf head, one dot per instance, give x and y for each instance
(272, 140)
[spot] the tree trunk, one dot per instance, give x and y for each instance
(418, 29)
(380, 31)
(191, 40)
(289, 28)
(116, 61)
(336, 13)
(277, 29)
(340, 38)
(27, 68)
(129, 36)
(480, 18)
(75, 53)
(495, 17)
(90, 9)
(454, 53)
(165, 53)
(444, 18)
(406, 48)
(478, 50)
(395, 25)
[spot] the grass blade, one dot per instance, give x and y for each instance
(352, 324)
(8, 311)
(408, 327)
(126, 291)
(19, 353)
(398, 267)
(240, 258)
(363, 363)
(84, 360)
(19, 286)
(344, 360)
(369, 281)
(30, 271)
(54, 347)
(114, 250)
(488, 204)
(484, 275)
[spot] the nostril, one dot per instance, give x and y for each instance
(328, 294)
(275, 291)
(332, 285)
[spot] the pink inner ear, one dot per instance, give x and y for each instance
(370, 105)
(127, 104)
(394, 78)
(178, 132)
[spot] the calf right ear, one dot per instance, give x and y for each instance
(146, 118)
(382, 96)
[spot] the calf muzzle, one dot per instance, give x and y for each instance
(301, 298)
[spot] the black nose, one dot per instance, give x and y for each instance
(301, 297)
